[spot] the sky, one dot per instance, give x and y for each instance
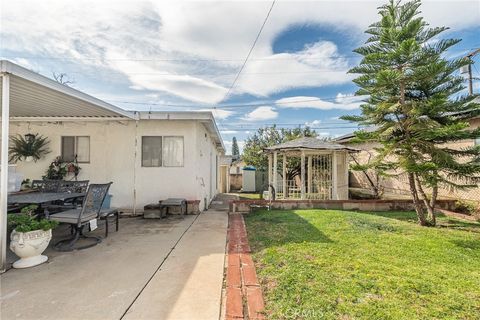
(183, 56)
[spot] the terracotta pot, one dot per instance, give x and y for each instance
(29, 246)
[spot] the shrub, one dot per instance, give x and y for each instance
(466, 207)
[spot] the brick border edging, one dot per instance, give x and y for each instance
(244, 299)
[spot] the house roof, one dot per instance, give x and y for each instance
(309, 143)
(35, 96)
(204, 117)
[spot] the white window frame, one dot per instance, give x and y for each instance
(162, 164)
(75, 147)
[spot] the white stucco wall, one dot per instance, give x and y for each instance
(115, 156)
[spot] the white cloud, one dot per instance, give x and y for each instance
(221, 114)
(157, 35)
(342, 101)
(228, 132)
(313, 123)
(261, 113)
(228, 146)
(316, 65)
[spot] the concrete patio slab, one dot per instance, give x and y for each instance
(189, 284)
(123, 274)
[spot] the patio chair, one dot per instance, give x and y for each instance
(46, 185)
(80, 218)
(73, 186)
(105, 214)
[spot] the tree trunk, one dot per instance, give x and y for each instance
(416, 202)
(431, 213)
(433, 203)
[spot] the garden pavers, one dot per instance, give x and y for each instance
(239, 262)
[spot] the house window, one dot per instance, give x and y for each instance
(151, 151)
(173, 151)
(160, 151)
(76, 148)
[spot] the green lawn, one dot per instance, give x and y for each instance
(249, 196)
(327, 264)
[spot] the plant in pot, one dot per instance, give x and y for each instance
(30, 147)
(58, 169)
(30, 237)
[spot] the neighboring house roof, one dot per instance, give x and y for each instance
(308, 143)
(347, 137)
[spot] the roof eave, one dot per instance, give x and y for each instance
(21, 72)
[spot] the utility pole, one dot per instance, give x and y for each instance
(470, 76)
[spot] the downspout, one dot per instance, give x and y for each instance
(135, 169)
(4, 170)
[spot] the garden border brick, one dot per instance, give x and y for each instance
(244, 299)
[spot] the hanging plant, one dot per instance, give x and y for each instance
(28, 147)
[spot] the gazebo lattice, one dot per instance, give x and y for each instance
(309, 168)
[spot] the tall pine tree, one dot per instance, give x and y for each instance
(235, 149)
(416, 106)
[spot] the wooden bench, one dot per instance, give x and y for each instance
(174, 202)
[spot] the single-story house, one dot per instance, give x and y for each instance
(147, 155)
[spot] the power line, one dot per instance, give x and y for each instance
(249, 52)
(302, 125)
(235, 106)
(177, 59)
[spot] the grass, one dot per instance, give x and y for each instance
(249, 196)
(327, 264)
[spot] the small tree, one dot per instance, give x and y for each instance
(265, 137)
(235, 149)
(415, 106)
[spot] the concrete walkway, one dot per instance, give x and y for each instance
(133, 274)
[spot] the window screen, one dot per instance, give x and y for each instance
(173, 151)
(76, 146)
(83, 149)
(151, 151)
(68, 148)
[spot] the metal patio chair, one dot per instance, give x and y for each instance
(81, 217)
(46, 185)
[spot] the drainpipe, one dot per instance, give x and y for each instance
(135, 169)
(4, 170)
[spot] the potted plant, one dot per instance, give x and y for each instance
(58, 169)
(30, 237)
(30, 147)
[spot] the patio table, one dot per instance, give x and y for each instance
(41, 197)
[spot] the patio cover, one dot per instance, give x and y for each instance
(29, 96)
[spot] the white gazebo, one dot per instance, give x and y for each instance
(29, 96)
(309, 168)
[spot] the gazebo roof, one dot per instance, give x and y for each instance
(309, 143)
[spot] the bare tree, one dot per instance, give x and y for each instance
(63, 78)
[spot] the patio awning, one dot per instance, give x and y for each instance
(29, 96)
(35, 96)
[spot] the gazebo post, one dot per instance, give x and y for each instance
(302, 176)
(269, 170)
(310, 174)
(284, 175)
(4, 170)
(334, 176)
(275, 170)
